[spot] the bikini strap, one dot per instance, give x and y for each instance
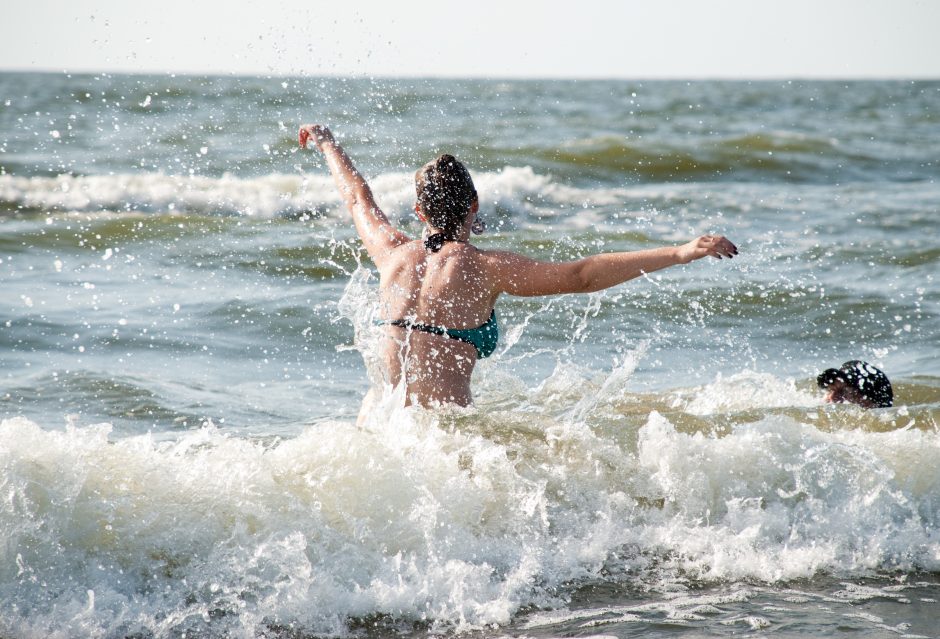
(415, 326)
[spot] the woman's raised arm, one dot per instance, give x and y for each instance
(519, 275)
(377, 233)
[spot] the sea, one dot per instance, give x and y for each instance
(186, 337)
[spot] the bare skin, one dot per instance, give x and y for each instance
(838, 392)
(458, 286)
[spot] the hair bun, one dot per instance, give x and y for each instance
(434, 242)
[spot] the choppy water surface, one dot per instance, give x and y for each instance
(186, 309)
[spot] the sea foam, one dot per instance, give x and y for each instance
(514, 192)
(454, 519)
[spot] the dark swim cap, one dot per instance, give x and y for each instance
(870, 382)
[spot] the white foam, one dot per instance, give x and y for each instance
(459, 517)
(526, 195)
(746, 390)
(780, 500)
(269, 195)
(409, 520)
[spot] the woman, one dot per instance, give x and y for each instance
(439, 293)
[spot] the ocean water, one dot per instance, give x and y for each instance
(185, 340)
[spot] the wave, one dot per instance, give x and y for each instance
(509, 192)
(461, 519)
(783, 142)
(114, 397)
(510, 196)
(550, 190)
(782, 156)
(912, 256)
(159, 193)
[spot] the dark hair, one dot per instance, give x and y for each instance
(868, 381)
(445, 192)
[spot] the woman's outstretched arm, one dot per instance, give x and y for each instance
(377, 233)
(519, 275)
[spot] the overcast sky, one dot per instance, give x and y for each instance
(480, 38)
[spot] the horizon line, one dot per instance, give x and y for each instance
(431, 76)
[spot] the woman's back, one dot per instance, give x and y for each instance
(447, 289)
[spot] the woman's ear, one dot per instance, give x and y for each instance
(475, 206)
(420, 213)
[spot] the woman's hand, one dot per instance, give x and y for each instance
(714, 245)
(316, 132)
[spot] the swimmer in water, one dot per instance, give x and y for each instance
(856, 382)
(438, 293)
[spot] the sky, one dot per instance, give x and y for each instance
(689, 39)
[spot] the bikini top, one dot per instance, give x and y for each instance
(484, 337)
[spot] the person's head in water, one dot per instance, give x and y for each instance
(857, 382)
(446, 196)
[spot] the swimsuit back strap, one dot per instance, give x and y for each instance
(415, 326)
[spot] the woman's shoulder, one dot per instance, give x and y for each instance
(414, 252)
(499, 258)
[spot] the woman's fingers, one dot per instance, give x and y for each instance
(316, 132)
(730, 249)
(718, 246)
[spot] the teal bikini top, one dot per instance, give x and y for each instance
(484, 338)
